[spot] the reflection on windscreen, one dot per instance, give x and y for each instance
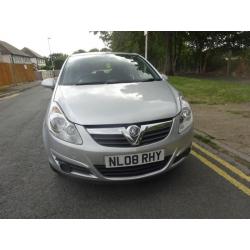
(107, 68)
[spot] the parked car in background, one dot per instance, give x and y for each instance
(114, 117)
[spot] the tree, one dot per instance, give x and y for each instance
(168, 69)
(79, 51)
(134, 41)
(128, 41)
(94, 50)
(105, 50)
(105, 36)
(58, 60)
(186, 52)
(48, 65)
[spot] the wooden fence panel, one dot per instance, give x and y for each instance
(15, 73)
(5, 74)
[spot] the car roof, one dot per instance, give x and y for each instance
(103, 53)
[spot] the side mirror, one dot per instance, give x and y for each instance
(164, 77)
(48, 83)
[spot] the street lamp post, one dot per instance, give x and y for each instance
(52, 63)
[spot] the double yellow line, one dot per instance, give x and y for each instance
(221, 172)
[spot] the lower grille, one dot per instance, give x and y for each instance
(69, 167)
(133, 170)
(182, 155)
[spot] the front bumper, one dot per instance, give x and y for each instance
(82, 160)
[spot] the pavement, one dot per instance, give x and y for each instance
(14, 89)
(202, 187)
(226, 125)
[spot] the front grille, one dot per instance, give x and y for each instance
(133, 170)
(117, 139)
(155, 135)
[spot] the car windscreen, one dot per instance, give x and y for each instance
(107, 68)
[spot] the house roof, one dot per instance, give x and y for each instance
(8, 49)
(31, 53)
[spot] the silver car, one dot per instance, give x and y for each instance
(114, 117)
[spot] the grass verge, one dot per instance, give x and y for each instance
(209, 91)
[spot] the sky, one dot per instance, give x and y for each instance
(30, 23)
(60, 42)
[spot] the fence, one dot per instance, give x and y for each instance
(15, 73)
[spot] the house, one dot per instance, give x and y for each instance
(12, 55)
(35, 58)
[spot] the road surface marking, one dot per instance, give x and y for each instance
(10, 96)
(224, 163)
(222, 173)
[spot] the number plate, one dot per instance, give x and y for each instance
(134, 159)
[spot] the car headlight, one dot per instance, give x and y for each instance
(61, 127)
(186, 116)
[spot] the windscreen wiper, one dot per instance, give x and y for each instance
(148, 80)
(113, 82)
(101, 82)
(88, 83)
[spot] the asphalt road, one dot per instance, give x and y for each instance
(29, 189)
